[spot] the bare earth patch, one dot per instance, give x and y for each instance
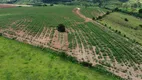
(13, 5)
(6, 6)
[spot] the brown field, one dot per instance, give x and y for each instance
(7, 6)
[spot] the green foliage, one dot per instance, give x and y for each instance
(126, 19)
(52, 4)
(93, 18)
(131, 28)
(61, 28)
(140, 11)
(0, 34)
(30, 62)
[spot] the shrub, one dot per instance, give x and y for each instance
(0, 34)
(86, 64)
(126, 19)
(124, 35)
(140, 11)
(97, 50)
(107, 12)
(136, 28)
(100, 17)
(116, 31)
(116, 9)
(44, 4)
(14, 38)
(51, 4)
(19, 6)
(140, 25)
(61, 28)
(119, 32)
(133, 40)
(93, 18)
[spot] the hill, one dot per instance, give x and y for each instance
(76, 1)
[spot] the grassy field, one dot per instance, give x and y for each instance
(131, 29)
(24, 62)
(86, 41)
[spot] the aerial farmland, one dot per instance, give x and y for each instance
(48, 41)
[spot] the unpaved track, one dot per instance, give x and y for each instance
(77, 11)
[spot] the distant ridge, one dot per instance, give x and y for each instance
(55, 1)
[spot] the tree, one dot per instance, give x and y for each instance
(51, 4)
(0, 34)
(126, 19)
(93, 18)
(140, 11)
(61, 28)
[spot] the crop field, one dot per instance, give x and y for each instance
(85, 39)
(131, 28)
(93, 12)
(19, 61)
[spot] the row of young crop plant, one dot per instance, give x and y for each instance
(94, 38)
(93, 12)
(108, 44)
(123, 50)
(121, 45)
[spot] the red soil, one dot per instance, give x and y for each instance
(6, 6)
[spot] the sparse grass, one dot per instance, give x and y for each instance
(130, 28)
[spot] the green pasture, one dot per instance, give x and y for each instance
(25, 62)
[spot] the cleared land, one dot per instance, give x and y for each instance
(6, 6)
(87, 41)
